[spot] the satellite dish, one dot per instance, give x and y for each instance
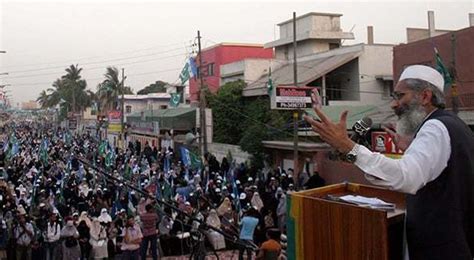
(190, 138)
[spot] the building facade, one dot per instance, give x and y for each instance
(315, 32)
(220, 54)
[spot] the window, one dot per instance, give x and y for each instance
(128, 109)
(210, 69)
(334, 46)
(387, 89)
(163, 107)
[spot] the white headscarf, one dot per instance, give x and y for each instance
(69, 230)
(281, 208)
(225, 207)
(104, 216)
(97, 231)
(256, 201)
(213, 219)
(86, 219)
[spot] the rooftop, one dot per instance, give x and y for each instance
(310, 14)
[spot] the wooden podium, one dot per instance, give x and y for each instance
(320, 228)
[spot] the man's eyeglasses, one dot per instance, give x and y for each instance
(397, 95)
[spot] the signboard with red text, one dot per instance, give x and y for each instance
(291, 98)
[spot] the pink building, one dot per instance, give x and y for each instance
(220, 54)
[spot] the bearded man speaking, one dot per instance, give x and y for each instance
(436, 170)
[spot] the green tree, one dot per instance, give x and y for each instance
(227, 109)
(262, 124)
(109, 90)
(75, 89)
(43, 99)
(157, 87)
(246, 121)
(52, 96)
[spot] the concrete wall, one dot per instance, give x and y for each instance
(248, 70)
(375, 60)
(304, 48)
(302, 25)
(139, 105)
(87, 114)
(221, 150)
(346, 78)
(311, 23)
(254, 68)
(416, 34)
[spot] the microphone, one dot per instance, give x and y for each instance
(360, 128)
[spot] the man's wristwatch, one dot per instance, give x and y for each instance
(351, 156)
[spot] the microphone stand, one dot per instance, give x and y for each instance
(233, 238)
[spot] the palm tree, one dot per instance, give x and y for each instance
(51, 97)
(57, 92)
(75, 91)
(43, 99)
(109, 90)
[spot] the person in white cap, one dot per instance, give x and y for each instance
(436, 170)
(23, 233)
(53, 233)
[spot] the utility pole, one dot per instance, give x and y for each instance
(122, 121)
(455, 102)
(295, 113)
(202, 103)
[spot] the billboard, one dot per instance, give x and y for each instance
(115, 116)
(291, 98)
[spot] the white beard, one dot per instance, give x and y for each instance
(409, 121)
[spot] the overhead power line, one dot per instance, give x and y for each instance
(72, 60)
(95, 68)
(101, 78)
(99, 62)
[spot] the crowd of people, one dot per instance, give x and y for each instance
(71, 196)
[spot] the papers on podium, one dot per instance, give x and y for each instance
(362, 201)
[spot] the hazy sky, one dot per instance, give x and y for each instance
(151, 39)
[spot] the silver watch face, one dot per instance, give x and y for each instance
(351, 157)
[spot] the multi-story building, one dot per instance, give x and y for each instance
(357, 78)
(29, 105)
(220, 54)
(347, 75)
(315, 32)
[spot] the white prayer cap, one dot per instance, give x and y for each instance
(424, 73)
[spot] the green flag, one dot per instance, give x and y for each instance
(102, 147)
(270, 82)
(195, 160)
(110, 157)
(127, 172)
(175, 98)
(443, 70)
(44, 152)
(184, 75)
